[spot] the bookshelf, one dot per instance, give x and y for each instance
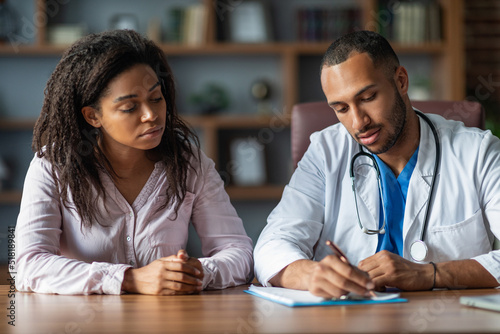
(289, 51)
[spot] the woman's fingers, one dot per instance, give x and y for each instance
(182, 266)
(182, 278)
(183, 255)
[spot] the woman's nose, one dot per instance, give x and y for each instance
(149, 114)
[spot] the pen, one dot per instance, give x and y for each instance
(336, 250)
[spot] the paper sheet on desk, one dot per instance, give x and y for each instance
(292, 298)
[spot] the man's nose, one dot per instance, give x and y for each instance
(359, 119)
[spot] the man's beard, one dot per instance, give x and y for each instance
(398, 118)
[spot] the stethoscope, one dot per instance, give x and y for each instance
(418, 249)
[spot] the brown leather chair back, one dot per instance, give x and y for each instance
(314, 116)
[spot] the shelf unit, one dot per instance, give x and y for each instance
(210, 126)
(10, 197)
(16, 124)
(447, 59)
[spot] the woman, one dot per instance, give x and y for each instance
(116, 179)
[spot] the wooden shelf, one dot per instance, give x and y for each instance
(215, 121)
(17, 124)
(267, 192)
(278, 48)
(169, 49)
(10, 197)
(231, 121)
(31, 50)
(225, 49)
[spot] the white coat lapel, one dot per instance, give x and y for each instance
(419, 187)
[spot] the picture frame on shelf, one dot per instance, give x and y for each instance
(65, 34)
(124, 21)
(248, 162)
(250, 22)
(4, 173)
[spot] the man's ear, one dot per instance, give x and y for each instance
(401, 80)
(90, 115)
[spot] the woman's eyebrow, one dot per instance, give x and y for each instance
(154, 86)
(121, 98)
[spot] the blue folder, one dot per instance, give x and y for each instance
(295, 298)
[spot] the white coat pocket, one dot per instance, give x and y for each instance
(459, 241)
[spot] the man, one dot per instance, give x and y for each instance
(367, 89)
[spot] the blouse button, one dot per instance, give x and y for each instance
(128, 238)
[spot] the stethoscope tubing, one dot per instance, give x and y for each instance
(375, 164)
(362, 153)
(437, 142)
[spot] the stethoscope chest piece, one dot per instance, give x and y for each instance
(418, 251)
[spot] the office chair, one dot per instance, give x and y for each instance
(314, 116)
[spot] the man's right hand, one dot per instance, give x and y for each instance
(329, 278)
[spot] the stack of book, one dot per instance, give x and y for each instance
(326, 24)
(186, 25)
(415, 22)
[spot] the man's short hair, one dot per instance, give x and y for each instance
(376, 46)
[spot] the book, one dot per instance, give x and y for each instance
(174, 24)
(186, 25)
(319, 24)
(410, 22)
(295, 298)
(489, 302)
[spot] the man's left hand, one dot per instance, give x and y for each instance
(387, 269)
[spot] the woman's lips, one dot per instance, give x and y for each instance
(153, 132)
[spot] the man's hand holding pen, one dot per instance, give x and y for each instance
(334, 277)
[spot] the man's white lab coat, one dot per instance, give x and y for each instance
(318, 203)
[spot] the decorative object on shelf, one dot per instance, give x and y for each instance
(211, 99)
(248, 162)
(124, 21)
(420, 88)
(64, 34)
(4, 173)
(261, 92)
(9, 22)
(250, 22)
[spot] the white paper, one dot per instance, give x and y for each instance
(291, 296)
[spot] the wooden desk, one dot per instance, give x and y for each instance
(232, 311)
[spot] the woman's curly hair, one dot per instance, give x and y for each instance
(70, 144)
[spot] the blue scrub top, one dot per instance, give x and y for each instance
(394, 191)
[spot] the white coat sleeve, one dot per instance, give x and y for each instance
(294, 226)
(489, 175)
